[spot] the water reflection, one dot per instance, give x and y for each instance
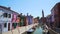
(37, 31)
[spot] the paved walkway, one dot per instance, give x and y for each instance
(20, 30)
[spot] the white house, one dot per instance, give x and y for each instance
(5, 19)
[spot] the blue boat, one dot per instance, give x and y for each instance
(30, 30)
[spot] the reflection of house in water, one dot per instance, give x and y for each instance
(6, 15)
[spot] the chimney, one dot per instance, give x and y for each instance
(9, 7)
(24, 15)
(27, 14)
(30, 16)
(21, 14)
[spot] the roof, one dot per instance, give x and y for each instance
(57, 4)
(8, 8)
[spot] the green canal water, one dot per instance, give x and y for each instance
(37, 31)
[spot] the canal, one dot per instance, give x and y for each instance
(38, 30)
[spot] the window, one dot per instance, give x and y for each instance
(5, 25)
(9, 15)
(5, 14)
(14, 25)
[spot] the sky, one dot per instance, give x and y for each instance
(33, 7)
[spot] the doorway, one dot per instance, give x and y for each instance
(8, 26)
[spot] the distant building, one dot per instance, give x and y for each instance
(55, 11)
(6, 15)
(43, 18)
(49, 20)
(22, 20)
(42, 13)
(29, 19)
(36, 20)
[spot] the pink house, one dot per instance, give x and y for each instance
(14, 20)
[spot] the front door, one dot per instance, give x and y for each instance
(8, 26)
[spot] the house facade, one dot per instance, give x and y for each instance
(5, 19)
(35, 20)
(15, 20)
(49, 20)
(29, 19)
(6, 16)
(55, 11)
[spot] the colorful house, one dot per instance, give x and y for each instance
(55, 12)
(25, 20)
(49, 20)
(21, 22)
(35, 20)
(30, 19)
(18, 20)
(5, 18)
(14, 20)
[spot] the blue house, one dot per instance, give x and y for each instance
(30, 19)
